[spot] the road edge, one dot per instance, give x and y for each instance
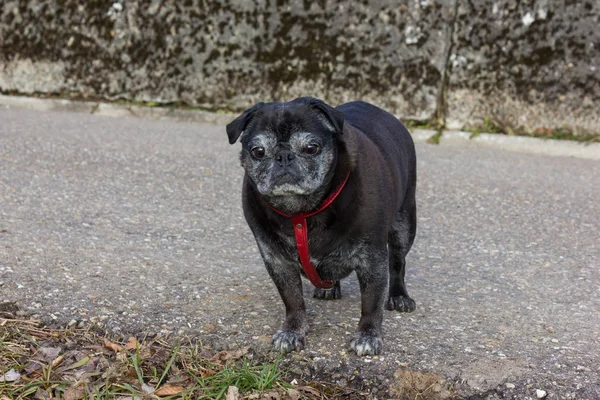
(512, 143)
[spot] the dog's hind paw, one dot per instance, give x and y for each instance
(366, 345)
(285, 341)
(334, 293)
(400, 304)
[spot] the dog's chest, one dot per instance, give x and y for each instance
(333, 258)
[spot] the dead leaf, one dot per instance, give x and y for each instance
(178, 379)
(294, 394)
(72, 356)
(310, 390)
(78, 364)
(169, 390)
(132, 344)
(156, 356)
(147, 388)
(41, 394)
(47, 354)
(33, 368)
(229, 355)
(57, 361)
(74, 393)
(112, 346)
(10, 376)
(204, 372)
(271, 395)
(233, 393)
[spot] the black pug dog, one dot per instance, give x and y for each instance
(328, 191)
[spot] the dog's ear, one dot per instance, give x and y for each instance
(236, 127)
(331, 118)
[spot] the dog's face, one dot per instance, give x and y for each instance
(288, 148)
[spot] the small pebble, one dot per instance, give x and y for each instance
(540, 393)
(510, 385)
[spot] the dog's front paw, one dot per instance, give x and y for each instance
(285, 341)
(400, 304)
(366, 345)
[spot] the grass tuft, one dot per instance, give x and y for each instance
(437, 136)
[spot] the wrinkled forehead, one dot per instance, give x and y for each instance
(269, 139)
(284, 121)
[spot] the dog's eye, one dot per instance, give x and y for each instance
(311, 149)
(258, 152)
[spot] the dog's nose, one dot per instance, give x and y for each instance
(284, 158)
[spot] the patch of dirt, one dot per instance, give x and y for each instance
(487, 374)
(410, 384)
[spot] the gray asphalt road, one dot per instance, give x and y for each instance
(137, 225)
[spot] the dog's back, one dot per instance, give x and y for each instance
(387, 133)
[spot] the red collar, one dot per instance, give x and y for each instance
(301, 233)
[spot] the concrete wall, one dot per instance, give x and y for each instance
(529, 64)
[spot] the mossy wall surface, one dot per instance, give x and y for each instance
(534, 62)
(528, 64)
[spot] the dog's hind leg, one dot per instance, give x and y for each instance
(400, 240)
(329, 294)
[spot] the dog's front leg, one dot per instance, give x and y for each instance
(292, 335)
(373, 280)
